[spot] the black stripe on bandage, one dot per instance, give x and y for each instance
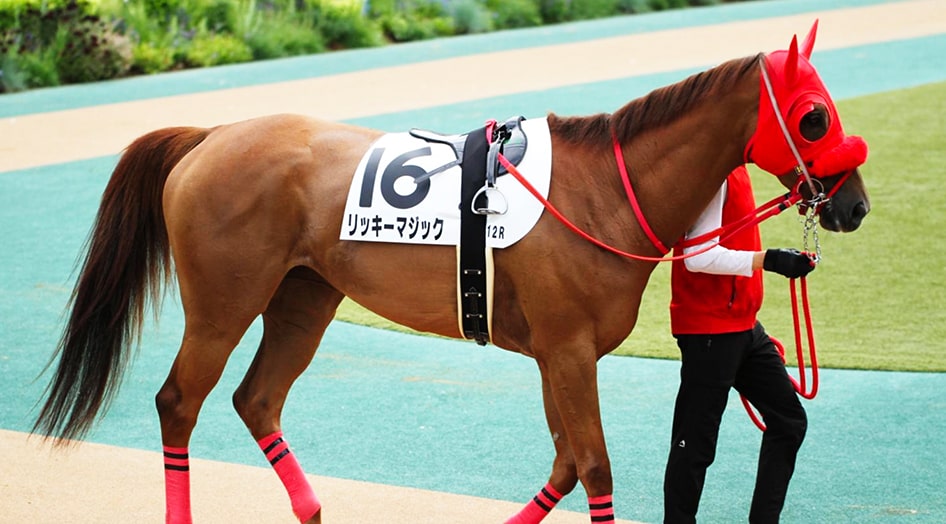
(279, 457)
(181, 456)
(175, 467)
(272, 445)
(549, 496)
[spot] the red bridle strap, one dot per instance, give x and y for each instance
(761, 213)
(632, 198)
(580, 232)
(800, 384)
(767, 210)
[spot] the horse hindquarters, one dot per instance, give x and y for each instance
(234, 228)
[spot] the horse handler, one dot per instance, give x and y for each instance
(716, 295)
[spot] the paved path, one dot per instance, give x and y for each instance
(458, 426)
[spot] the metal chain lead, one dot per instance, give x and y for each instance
(810, 229)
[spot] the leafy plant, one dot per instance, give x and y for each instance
(511, 14)
(213, 49)
(344, 26)
(20, 71)
(470, 17)
(150, 58)
(89, 50)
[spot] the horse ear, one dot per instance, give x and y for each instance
(791, 63)
(809, 42)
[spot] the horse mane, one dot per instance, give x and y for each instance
(658, 108)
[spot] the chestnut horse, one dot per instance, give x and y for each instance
(250, 213)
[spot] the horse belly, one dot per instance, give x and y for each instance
(411, 285)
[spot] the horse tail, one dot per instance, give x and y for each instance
(126, 265)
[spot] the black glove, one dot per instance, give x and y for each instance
(788, 262)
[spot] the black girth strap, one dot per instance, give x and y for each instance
(472, 263)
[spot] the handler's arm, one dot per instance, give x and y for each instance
(719, 260)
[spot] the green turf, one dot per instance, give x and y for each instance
(878, 295)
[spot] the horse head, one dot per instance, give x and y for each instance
(799, 138)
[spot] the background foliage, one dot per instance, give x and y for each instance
(53, 42)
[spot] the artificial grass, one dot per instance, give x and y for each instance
(878, 298)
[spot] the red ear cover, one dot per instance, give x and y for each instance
(849, 154)
(791, 63)
(809, 44)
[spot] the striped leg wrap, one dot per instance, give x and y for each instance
(177, 486)
(304, 502)
(540, 506)
(602, 508)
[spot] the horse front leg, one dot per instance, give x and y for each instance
(571, 374)
(564, 474)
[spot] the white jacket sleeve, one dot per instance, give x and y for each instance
(718, 260)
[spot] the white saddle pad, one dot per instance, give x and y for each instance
(386, 205)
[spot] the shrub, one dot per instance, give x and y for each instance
(219, 16)
(511, 14)
(591, 9)
(343, 25)
(212, 50)
(277, 35)
(89, 50)
(28, 70)
(469, 17)
(150, 58)
(59, 41)
(406, 20)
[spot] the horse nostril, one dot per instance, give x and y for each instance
(859, 212)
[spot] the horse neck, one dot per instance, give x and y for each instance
(677, 168)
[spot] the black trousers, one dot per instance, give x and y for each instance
(712, 364)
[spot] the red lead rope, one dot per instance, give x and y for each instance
(800, 384)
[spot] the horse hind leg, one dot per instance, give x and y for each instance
(218, 310)
(204, 352)
(293, 325)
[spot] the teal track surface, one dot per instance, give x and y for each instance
(446, 415)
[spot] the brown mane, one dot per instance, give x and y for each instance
(655, 109)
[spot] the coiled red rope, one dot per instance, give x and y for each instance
(800, 384)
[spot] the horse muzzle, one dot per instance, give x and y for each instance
(844, 220)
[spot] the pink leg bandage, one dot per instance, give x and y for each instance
(177, 486)
(304, 502)
(602, 508)
(537, 508)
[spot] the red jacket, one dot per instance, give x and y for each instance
(704, 303)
